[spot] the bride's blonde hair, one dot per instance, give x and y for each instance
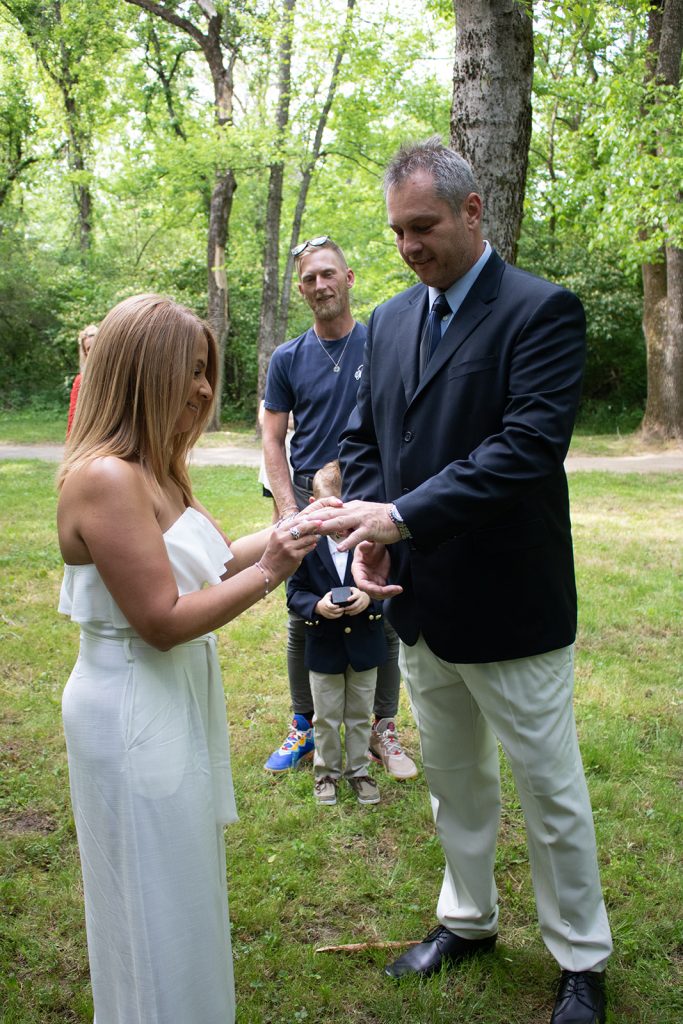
(135, 386)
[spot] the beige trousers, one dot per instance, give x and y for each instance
(527, 705)
(345, 699)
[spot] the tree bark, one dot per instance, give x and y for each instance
(271, 253)
(40, 22)
(218, 313)
(663, 280)
(66, 77)
(491, 108)
(154, 59)
(220, 55)
(76, 155)
(307, 175)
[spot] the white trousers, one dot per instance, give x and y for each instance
(149, 770)
(527, 705)
(345, 698)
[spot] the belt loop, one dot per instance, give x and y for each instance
(128, 649)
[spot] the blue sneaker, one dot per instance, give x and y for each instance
(298, 747)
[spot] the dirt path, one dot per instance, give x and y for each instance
(663, 462)
(228, 456)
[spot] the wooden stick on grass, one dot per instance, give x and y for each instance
(357, 947)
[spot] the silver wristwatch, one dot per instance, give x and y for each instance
(398, 522)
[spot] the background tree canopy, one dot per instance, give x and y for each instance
(182, 147)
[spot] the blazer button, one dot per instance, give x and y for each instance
(347, 629)
(408, 436)
(405, 490)
(379, 617)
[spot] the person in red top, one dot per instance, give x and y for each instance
(85, 340)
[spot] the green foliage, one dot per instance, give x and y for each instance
(144, 114)
(615, 359)
(602, 427)
(35, 354)
(607, 153)
(18, 122)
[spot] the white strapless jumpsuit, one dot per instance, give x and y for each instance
(151, 788)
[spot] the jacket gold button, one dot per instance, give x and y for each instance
(347, 629)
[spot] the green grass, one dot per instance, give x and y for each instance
(617, 444)
(48, 426)
(31, 426)
(301, 876)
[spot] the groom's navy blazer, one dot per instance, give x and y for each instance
(472, 454)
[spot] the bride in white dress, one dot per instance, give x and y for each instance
(148, 576)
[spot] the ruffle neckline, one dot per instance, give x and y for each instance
(198, 555)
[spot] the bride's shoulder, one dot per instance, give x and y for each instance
(107, 478)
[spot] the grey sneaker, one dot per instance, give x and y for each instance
(365, 788)
(325, 790)
(387, 750)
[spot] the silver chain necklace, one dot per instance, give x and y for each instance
(336, 363)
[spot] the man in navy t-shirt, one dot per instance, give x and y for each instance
(315, 377)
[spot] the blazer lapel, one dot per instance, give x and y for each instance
(407, 330)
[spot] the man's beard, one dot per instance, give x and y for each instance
(329, 309)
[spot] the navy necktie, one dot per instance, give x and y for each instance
(439, 310)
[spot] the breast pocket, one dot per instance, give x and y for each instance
(468, 366)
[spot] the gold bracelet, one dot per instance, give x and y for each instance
(266, 579)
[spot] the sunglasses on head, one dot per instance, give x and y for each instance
(320, 240)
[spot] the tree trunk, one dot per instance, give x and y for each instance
(663, 327)
(154, 59)
(307, 175)
(285, 294)
(271, 255)
(66, 78)
(77, 163)
(218, 310)
(220, 55)
(491, 108)
(663, 281)
(42, 23)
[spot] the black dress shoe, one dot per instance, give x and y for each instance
(439, 947)
(580, 998)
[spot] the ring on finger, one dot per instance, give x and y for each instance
(295, 532)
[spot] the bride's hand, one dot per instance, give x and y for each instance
(287, 546)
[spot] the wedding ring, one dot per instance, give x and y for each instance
(295, 532)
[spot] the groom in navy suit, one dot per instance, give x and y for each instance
(455, 456)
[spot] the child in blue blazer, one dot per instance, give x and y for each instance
(345, 642)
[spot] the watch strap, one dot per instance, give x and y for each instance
(399, 523)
